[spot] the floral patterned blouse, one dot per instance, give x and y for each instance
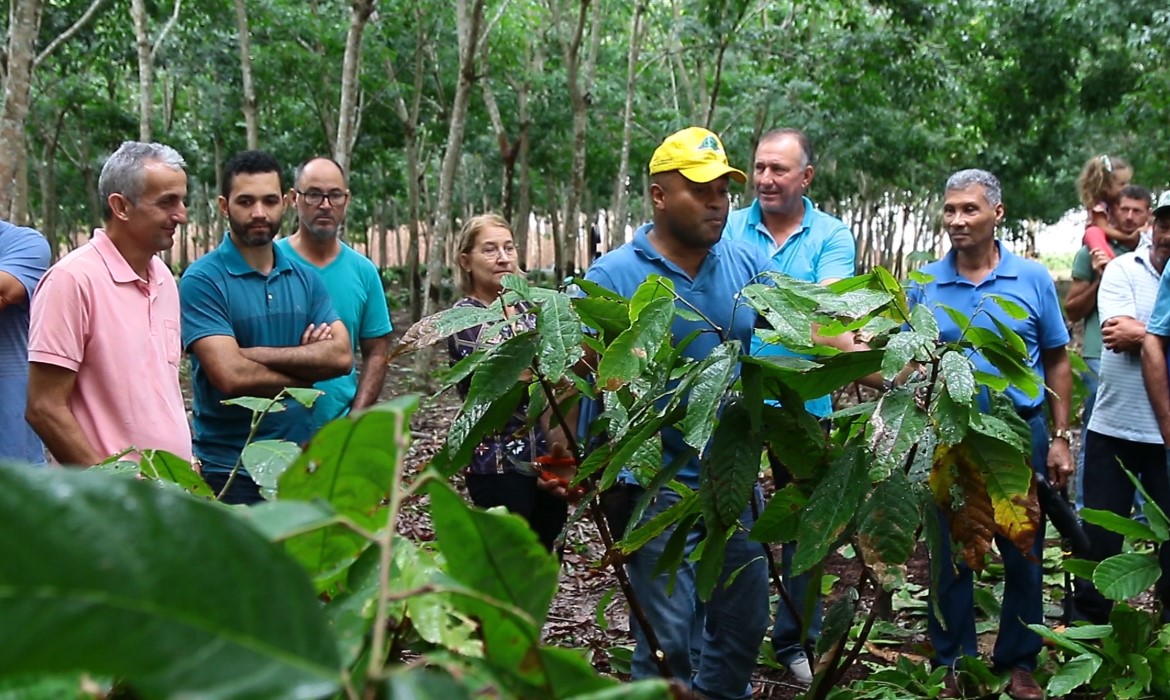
(497, 453)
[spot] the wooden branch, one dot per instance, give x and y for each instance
(70, 32)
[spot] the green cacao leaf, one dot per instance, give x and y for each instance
(728, 471)
(831, 508)
(351, 464)
(111, 576)
(1123, 576)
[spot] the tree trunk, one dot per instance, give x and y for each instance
(580, 78)
(145, 68)
(468, 22)
(414, 175)
(349, 111)
(146, 53)
(251, 119)
(25, 21)
(621, 194)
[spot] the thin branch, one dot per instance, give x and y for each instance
(70, 32)
(166, 29)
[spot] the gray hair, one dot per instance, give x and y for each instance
(961, 180)
(123, 172)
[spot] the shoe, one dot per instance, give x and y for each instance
(801, 671)
(950, 687)
(1023, 686)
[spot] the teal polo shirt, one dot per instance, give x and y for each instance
(220, 294)
(355, 286)
(823, 248)
(1025, 282)
(714, 292)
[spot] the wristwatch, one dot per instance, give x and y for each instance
(1062, 434)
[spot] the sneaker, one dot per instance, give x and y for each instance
(801, 671)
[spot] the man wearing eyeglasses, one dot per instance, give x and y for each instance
(320, 196)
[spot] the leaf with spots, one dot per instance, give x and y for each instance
(895, 428)
(351, 464)
(630, 353)
(886, 527)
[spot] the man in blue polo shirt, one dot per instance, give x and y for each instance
(977, 266)
(812, 246)
(254, 322)
(24, 257)
(690, 177)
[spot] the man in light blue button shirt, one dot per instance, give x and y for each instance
(811, 246)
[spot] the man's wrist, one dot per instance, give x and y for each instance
(1061, 434)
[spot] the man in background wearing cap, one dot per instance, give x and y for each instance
(689, 192)
(812, 246)
(1109, 488)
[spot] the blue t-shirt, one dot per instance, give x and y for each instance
(356, 290)
(1159, 323)
(714, 291)
(1025, 282)
(823, 248)
(220, 294)
(24, 254)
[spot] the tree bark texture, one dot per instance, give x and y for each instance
(348, 111)
(621, 191)
(251, 119)
(25, 24)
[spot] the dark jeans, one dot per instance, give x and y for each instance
(243, 490)
(1016, 646)
(787, 640)
(1108, 488)
(546, 514)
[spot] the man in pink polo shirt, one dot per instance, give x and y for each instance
(104, 341)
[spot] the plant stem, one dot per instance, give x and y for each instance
(386, 543)
(599, 521)
(256, 418)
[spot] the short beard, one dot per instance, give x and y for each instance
(246, 238)
(320, 234)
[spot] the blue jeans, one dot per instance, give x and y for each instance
(1016, 646)
(725, 632)
(787, 643)
(1090, 379)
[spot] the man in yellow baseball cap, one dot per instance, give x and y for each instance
(690, 177)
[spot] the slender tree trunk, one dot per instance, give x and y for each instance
(349, 112)
(621, 194)
(251, 119)
(146, 54)
(409, 118)
(145, 68)
(469, 20)
(24, 25)
(580, 78)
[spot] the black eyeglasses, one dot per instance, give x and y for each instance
(314, 198)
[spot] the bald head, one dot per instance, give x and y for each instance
(320, 195)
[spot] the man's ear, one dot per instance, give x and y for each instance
(223, 205)
(998, 213)
(119, 205)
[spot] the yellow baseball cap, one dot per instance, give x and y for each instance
(697, 154)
